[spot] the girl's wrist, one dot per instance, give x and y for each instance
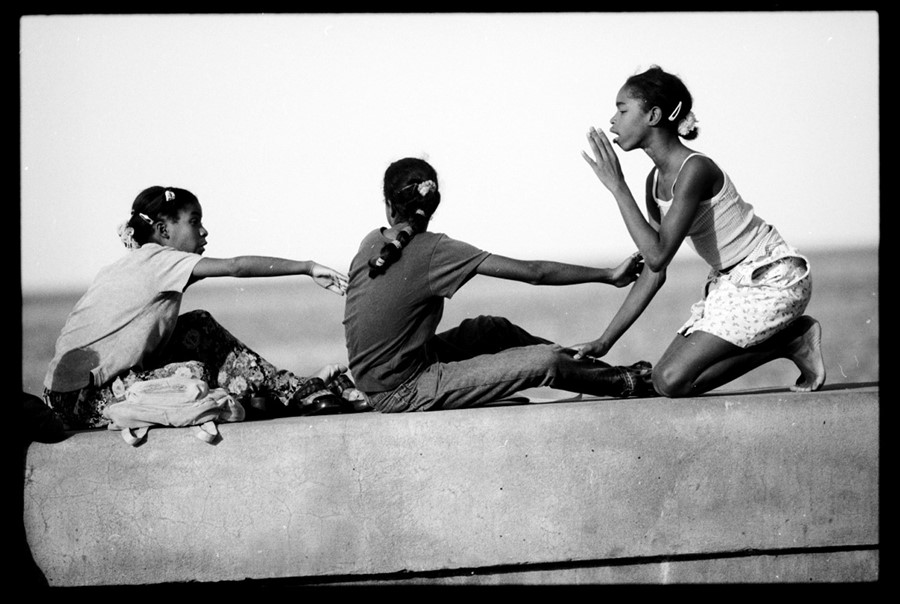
(623, 194)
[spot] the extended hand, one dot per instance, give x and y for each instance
(605, 163)
(595, 349)
(628, 270)
(328, 278)
(329, 372)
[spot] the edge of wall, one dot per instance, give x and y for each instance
(743, 486)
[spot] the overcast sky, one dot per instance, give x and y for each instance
(283, 126)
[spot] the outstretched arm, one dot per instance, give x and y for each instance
(266, 266)
(637, 300)
(547, 272)
(635, 303)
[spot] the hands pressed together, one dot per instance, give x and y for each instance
(605, 162)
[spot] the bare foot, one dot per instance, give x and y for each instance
(329, 372)
(806, 352)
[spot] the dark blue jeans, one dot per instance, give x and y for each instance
(489, 358)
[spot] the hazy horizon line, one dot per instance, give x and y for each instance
(684, 257)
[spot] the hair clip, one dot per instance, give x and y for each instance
(170, 195)
(675, 113)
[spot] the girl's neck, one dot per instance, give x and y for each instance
(667, 154)
(394, 228)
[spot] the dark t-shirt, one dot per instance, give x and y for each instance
(388, 319)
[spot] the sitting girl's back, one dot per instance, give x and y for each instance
(398, 282)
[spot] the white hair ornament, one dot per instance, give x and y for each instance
(687, 124)
(425, 187)
(126, 234)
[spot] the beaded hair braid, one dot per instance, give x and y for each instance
(411, 190)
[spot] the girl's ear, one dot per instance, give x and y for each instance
(654, 115)
(160, 227)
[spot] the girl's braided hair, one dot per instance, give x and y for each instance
(411, 190)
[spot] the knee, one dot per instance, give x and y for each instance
(201, 320)
(198, 316)
(668, 381)
(553, 357)
(485, 323)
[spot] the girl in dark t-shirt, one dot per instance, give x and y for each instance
(399, 279)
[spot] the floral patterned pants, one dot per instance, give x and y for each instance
(199, 347)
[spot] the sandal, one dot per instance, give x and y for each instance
(352, 399)
(313, 398)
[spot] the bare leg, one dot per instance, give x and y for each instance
(700, 362)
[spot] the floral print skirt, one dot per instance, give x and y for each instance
(200, 348)
(756, 298)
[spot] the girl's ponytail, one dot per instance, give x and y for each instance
(410, 187)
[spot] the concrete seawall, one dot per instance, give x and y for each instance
(759, 486)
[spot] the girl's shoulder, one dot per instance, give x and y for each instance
(700, 162)
(701, 173)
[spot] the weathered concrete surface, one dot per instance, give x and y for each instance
(585, 483)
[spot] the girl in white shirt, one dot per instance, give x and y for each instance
(127, 326)
(758, 287)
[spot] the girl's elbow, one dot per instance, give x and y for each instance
(536, 274)
(657, 260)
(657, 265)
(237, 268)
(657, 276)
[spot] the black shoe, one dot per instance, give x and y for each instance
(264, 407)
(313, 398)
(638, 380)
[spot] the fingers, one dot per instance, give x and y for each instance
(332, 280)
(593, 141)
(329, 372)
(338, 287)
(600, 144)
(588, 159)
(579, 350)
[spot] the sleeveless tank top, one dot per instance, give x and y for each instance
(725, 230)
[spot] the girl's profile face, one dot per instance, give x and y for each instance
(629, 122)
(187, 233)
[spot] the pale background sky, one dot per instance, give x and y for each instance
(283, 126)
